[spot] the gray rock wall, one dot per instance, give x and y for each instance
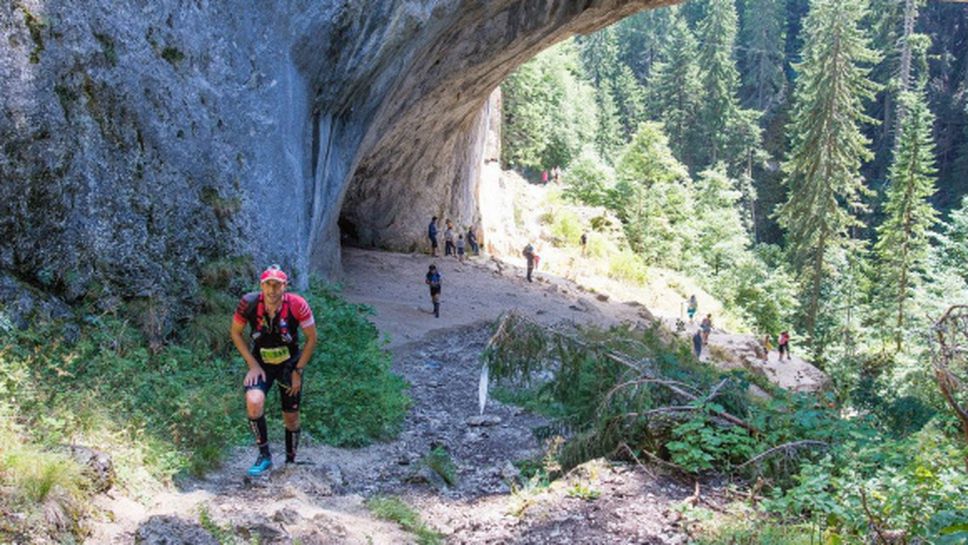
(143, 140)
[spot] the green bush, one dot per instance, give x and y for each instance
(566, 228)
(351, 396)
(176, 410)
(628, 267)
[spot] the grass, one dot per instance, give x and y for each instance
(439, 461)
(396, 510)
(566, 228)
(628, 267)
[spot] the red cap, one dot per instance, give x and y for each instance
(273, 273)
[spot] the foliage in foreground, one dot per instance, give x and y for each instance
(175, 410)
(623, 394)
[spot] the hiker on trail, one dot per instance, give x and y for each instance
(784, 345)
(472, 240)
(273, 355)
(432, 234)
(767, 346)
(692, 307)
(556, 174)
(584, 243)
(449, 239)
(460, 248)
(531, 257)
(706, 326)
(697, 342)
(544, 177)
(433, 280)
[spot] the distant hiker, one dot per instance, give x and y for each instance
(767, 346)
(706, 326)
(449, 239)
(472, 240)
(692, 307)
(697, 342)
(432, 235)
(460, 248)
(556, 174)
(784, 345)
(530, 256)
(544, 177)
(433, 280)
(273, 355)
(584, 243)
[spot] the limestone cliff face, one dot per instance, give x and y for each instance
(142, 140)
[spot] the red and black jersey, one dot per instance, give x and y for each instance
(282, 330)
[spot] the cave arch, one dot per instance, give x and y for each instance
(417, 142)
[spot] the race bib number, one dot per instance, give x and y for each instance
(275, 356)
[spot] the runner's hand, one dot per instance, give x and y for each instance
(295, 383)
(253, 376)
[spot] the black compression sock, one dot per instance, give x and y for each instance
(292, 444)
(259, 431)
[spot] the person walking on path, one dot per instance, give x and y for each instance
(544, 177)
(767, 346)
(449, 239)
(584, 243)
(432, 235)
(697, 342)
(460, 248)
(273, 354)
(784, 345)
(706, 326)
(472, 240)
(433, 280)
(530, 256)
(692, 307)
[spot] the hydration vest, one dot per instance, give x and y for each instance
(271, 332)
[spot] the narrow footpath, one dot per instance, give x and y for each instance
(321, 500)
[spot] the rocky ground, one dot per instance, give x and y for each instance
(321, 499)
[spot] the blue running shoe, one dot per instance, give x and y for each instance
(261, 465)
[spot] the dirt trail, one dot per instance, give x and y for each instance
(321, 500)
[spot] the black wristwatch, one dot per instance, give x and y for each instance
(298, 370)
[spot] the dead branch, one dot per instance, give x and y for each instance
(951, 332)
(621, 360)
(785, 447)
(671, 465)
(627, 449)
(639, 382)
(871, 519)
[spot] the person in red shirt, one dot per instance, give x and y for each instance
(784, 345)
(273, 354)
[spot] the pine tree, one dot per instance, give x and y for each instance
(630, 99)
(725, 242)
(954, 241)
(825, 186)
(676, 90)
(726, 133)
(608, 132)
(641, 38)
(903, 247)
(764, 83)
(653, 197)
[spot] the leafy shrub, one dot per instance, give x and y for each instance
(566, 228)
(628, 267)
(351, 396)
(701, 445)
